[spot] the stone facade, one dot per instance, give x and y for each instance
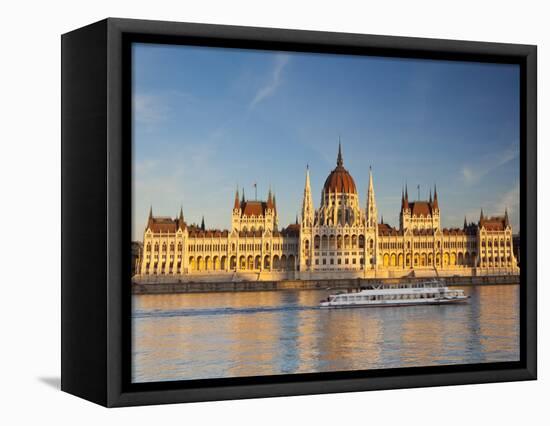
(338, 240)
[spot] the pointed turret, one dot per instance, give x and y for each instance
(382, 219)
(150, 218)
(180, 219)
(236, 204)
(372, 212)
(406, 205)
(435, 202)
(202, 224)
(481, 217)
(465, 223)
(431, 196)
(339, 160)
(269, 199)
(307, 203)
(242, 199)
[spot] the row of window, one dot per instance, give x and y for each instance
(347, 261)
(164, 247)
(331, 253)
(496, 243)
(496, 259)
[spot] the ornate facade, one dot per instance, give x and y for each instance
(340, 239)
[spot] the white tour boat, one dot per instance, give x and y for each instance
(405, 294)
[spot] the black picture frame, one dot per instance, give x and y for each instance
(96, 179)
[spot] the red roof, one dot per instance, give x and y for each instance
(497, 223)
(197, 232)
(340, 181)
(254, 208)
(385, 229)
(165, 224)
(453, 231)
(292, 230)
(420, 208)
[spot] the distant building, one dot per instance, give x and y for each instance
(340, 239)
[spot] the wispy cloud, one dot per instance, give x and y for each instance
(149, 109)
(473, 172)
(275, 80)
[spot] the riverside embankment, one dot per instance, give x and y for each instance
(282, 285)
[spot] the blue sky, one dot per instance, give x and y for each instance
(209, 119)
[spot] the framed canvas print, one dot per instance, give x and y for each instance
(253, 212)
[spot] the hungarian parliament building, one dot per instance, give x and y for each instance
(339, 240)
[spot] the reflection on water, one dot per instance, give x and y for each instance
(213, 335)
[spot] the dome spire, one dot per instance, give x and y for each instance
(340, 160)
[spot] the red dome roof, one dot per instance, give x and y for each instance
(339, 179)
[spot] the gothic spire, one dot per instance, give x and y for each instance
(150, 219)
(465, 223)
(180, 219)
(481, 217)
(269, 199)
(202, 224)
(242, 199)
(340, 160)
(372, 212)
(307, 203)
(236, 204)
(435, 203)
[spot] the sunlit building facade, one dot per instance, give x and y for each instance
(339, 239)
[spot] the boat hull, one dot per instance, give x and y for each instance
(388, 304)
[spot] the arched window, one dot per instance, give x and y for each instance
(148, 247)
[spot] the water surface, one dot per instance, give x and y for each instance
(213, 335)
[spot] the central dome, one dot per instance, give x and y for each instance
(339, 179)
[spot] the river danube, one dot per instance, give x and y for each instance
(213, 335)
